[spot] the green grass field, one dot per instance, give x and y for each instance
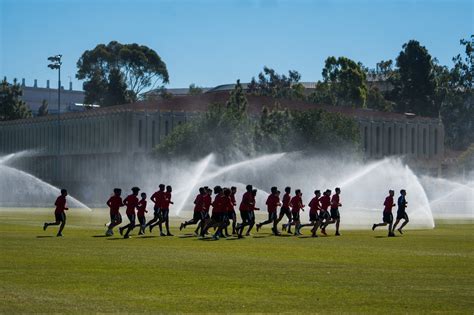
(360, 272)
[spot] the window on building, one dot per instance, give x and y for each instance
(166, 128)
(436, 141)
(377, 140)
(413, 140)
(140, 125)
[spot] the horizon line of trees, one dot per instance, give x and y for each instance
(414, 82)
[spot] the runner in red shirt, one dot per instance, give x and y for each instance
(285, 209)
(114, 203)
(324, 215)
(219, 207)
(314, 207)
(246, 206)
(231, 214)
(141, 210)
(165, 209)
(59, 213)
(335, 216)
(273, 201)
(131, 202)
(198, 209)
(158, 197)
(387, 213)
(252, 213)
(207, 201)
(296, 204)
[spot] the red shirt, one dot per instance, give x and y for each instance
(207, 201)
(314, 205)
(60, 204)
(248, 202)
(325, 202)
(272, 203)
(296, 204)
(114, 203)
(141, 208)
(219, 204)
(232, 199)
(158, 198)
(388, 204)
(335, 201)
(286, 200)
(131, 202)
(228, 205)
(199, 203)
(166, 200)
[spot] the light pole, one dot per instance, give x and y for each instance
(56, 64)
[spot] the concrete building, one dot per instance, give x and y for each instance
(33, 96)
(99, 143)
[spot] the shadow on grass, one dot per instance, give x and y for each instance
(187, 236)
(44, 236)
(147, 236)
(102, 235)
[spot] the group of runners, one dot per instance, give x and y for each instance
(219, 213)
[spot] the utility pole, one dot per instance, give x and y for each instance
(56, 64)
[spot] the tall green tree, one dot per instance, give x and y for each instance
(346, 81)
(415, 85)
(116, 89)
(455, 94)
(11, 105)
(140, 67)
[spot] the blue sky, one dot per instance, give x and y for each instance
(215, 42)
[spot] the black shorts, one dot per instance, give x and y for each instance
(313, 216)
(204, 215)
(285, 211)
(245, 216)
(157, 211)
(197, 216)
(324, 215)
(131, 218)
(387, 217)
(402, 215)
(296, 216)
(335, 214)
(165, 214)
(141, 219)
(272, 216)
(60, 217)
(252, 215)
(231, 215)
(116, 218)
(217, 217)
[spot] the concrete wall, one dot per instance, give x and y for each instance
(420, 141)
(98, 147)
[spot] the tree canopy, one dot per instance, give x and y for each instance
(270, 83)
(117, 73)
(345, 81)
(11, 105)
(415, 85)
